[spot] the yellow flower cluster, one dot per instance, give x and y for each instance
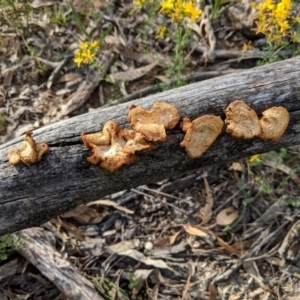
(161, 31)
(138, 2)
(177, 10)
(255, 158)
(86, 53)
(273, 19)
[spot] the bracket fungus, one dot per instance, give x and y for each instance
(200, 134)
(242, 121)
(114, 147)
(29, 152)
(153, 124)
(274, 122)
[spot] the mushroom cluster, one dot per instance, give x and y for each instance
(29, 152)
(113, 146)
(153, 124)
(242, 122)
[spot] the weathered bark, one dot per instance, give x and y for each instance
(64, 179)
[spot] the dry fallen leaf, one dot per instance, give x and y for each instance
(227, 247)
(213, 292)
(132, 74)
(207, 235)
(85, 215)
(123, 246)
(242, 246)
(236, 166)
(207, 211)
(227, 216)
(121, 250)
(112, 203)
(40, 3)
(166, 240)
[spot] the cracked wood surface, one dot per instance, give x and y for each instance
(29, 196)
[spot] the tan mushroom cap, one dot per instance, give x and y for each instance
(14, 157)
(153, 124)
(274, 122)
(114, 147)
(200, 134)
(29, 152)
(242, 121)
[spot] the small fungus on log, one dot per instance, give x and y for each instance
(153, 124)
(274, 123)
(242, 121)
(114, 147)
(29, 152)
(200, 134)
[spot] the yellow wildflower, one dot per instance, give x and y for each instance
(86, 53)
(295, 37)
(161, 31)
(191, 11)
(88, 56)
(246, 46)
(177, 10)
(138, 2)
(296, 19)
(274, 20)
(94, 45)
(84, 46)
(255, 158)
(166, 6)
(78, 60)
(284, 26)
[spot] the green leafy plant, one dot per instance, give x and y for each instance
(17, 14)
(8, 244)
(104, 285)
(176, 11)
(87, 50)
(247, 202)
(292, 201)
(217, 8)
(2, 122)
(132, 281)
(59, 18)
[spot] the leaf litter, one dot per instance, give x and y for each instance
(160, 241)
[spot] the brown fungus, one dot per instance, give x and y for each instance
(153, 124)
(200, 134)
(114, 147)
(242, 121)
(274, 123)
(29, 152)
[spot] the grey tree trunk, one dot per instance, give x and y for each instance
(64, 179)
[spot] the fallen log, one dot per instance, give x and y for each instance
(30, 196)
(39, 250)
